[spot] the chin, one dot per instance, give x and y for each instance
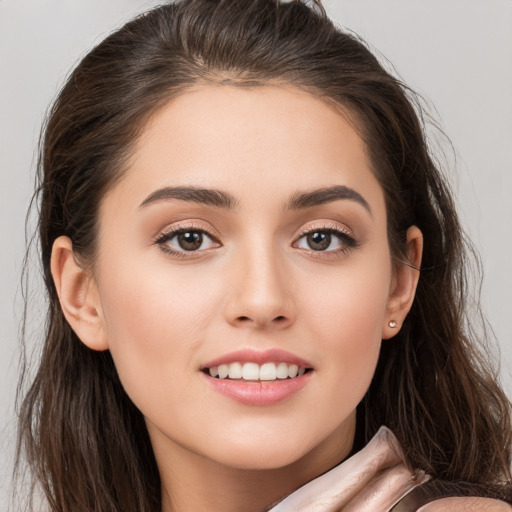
(261, 460)
(262, 454)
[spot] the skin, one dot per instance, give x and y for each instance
(466, 505)
(255, 284)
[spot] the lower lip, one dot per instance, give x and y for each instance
(268, 392)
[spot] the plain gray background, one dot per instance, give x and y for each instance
(456, 53)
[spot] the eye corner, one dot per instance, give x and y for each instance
(201, 241)
(330, 234)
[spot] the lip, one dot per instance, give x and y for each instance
(261, 393)
(273, 355)
(258, 393)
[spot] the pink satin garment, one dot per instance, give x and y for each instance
(374, 479)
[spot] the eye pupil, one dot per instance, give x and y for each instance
(190, 240)
(319, 241)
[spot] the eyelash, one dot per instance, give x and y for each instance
(163, 239)
(346, 239)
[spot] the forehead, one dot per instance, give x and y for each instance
(258, 143)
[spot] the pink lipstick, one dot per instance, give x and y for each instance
(257, 378)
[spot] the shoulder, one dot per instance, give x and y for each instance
(466, 504)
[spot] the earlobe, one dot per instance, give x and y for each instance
(78, 295)
(403, 285)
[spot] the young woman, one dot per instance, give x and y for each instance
(256, 281)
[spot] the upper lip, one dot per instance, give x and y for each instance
(274, 355)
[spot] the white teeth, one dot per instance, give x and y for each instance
(235, 371)
(223, 371)
(253, 371)
(268, 371)
(292, 371)
(282, 371)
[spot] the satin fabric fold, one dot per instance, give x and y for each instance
(374, 479)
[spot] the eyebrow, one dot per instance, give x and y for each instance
(220, 199)
(325, 195)
(196, 195)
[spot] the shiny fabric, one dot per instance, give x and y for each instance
(374, 479)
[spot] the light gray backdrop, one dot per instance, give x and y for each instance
(457, 53)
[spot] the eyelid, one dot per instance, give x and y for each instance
(324, 226)
(169, 232)
(184, 225)
(344, 234)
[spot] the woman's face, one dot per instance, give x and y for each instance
(248, 236)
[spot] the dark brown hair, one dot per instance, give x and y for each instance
(85, 442)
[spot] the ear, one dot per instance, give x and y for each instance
(403, 285)
(78, 295)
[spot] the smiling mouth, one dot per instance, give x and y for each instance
(256, 372)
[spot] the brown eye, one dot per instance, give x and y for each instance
(190, 240)
(185, 240)
(318, 240)
(330, 241)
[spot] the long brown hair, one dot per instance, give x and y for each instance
(84, 440)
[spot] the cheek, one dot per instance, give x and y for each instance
(347, 324)
(154, 323)
(350, 302)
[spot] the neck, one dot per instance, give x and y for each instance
(193, 482)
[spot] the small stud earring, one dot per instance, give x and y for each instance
(392, 324)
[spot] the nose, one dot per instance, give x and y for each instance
(261, 293)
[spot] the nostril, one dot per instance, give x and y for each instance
(280, 320)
